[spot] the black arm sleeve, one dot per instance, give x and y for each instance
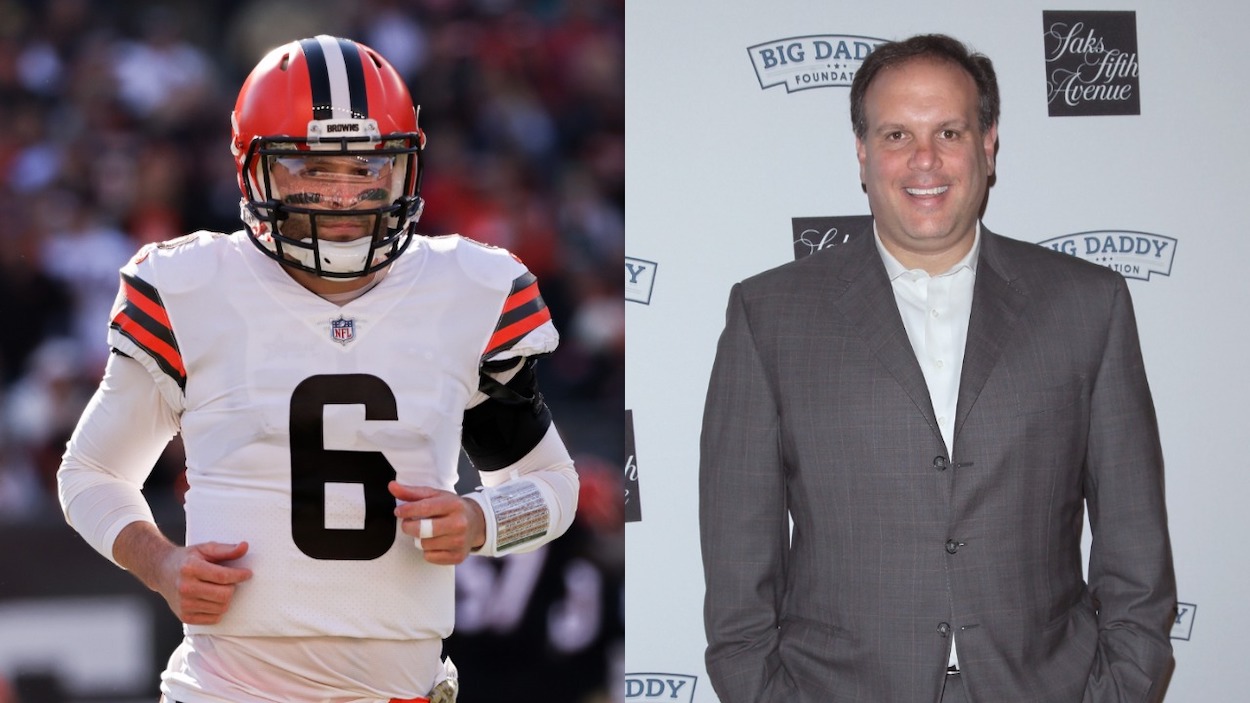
(510, 422)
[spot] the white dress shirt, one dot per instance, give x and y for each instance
(935, 311)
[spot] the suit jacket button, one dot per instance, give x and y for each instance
(939, 463)
(952, 546)
(944, 629)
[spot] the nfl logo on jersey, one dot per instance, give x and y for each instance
(343, 330)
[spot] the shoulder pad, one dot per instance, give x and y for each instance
(487, 265)
(181, 264)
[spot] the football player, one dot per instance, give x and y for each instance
(324, 366)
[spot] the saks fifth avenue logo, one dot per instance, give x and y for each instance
(1134, 254)
(813, 234)
(1183, 628)
(660, 687)
(815, 61)
(639, 280)
(1091, 63)
(633, 502)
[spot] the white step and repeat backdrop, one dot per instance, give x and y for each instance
(1124, 139)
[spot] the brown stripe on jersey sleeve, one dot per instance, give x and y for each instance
(140, 316)
(523, 312)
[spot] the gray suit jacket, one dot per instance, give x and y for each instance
(817, 413)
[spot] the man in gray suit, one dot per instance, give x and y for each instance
(932, 407)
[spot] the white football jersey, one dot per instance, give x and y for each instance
(296, 413)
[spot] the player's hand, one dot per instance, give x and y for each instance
(198, 584)
(454, 526)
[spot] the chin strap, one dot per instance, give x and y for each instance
(336, 257)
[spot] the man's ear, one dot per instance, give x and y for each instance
(861, 153)
(991, 146)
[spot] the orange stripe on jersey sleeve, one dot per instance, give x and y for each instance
(159, 349)
(141, 317)
(154, 309)
(523, 312)
(521, 297)
(512, 333)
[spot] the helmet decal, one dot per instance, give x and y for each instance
(337, 78)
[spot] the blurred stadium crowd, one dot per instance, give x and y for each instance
(114, 132)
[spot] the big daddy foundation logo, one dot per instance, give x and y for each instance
(814, 61)
(813, 234)
(670, 688)
(639, 279)
(1134, 254)
(1091, 63)
(1183, 628)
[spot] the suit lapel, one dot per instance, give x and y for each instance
(997, 302)
(870, 307)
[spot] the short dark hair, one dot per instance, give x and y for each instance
(938, 47)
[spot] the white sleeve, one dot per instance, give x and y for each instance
(530, 502)
(119, 437)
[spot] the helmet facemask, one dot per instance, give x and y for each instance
(305, 195)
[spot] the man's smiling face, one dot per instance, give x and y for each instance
(925, 161)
